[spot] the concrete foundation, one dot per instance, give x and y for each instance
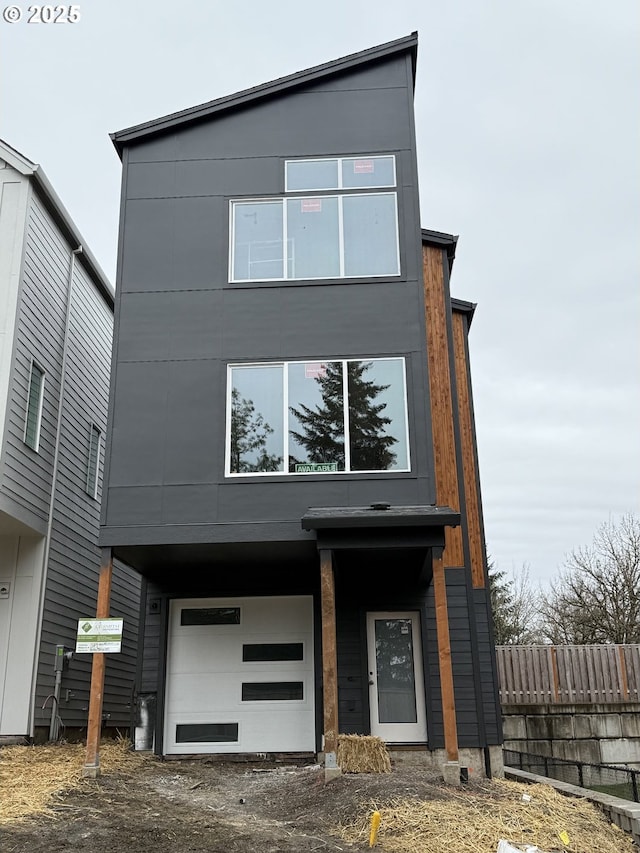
(433, 760)
(451, 773)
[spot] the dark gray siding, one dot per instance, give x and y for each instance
(72, 579)
(353, 707)
(473, 713)
(487, 665)
(469, 732)
(179, 323)
(26, 475)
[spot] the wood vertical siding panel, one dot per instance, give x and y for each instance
(444, 449)
(470, 477)
(329, 653)
(444, 659)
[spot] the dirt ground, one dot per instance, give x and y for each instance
(189, 806)
(210, 807)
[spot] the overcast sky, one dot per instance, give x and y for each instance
(529, 149)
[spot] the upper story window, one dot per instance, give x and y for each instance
(314, 417)
(351, 232)
(93, 461)
(35, 395)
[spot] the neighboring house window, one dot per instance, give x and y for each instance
(35, 396)
(317, 417)
(350, 233)
(93, 461)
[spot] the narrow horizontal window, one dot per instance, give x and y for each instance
(354, 235)
(207, 733)
(318, 417)
(33, 419)
(210, 616)
(272, 691)
(337, 173)
(93, 461)
(256, 652)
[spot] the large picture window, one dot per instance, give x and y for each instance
(319, 417)
(351, 233)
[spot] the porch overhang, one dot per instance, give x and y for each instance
(380, 525)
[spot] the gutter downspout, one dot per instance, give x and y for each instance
(54, 484)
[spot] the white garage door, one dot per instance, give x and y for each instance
(240, 675)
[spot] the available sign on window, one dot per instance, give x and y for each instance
(363, 167)
(311, 205)
(99, 635)
(314, 369)
(316, 467)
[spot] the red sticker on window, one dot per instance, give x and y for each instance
(311, 205)
(363, 167)
(314, 369)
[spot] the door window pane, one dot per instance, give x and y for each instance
(377, 415)
(368, 172)
(257, 235)
(210, 616)
(313, 243)
(395, 671)
(272, 691)
(316, 417)
(370, 235)
(207, 733)
(312, 175)
(259, 652)
(256, 439)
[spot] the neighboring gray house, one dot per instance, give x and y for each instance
(56, 321)
(291, 458)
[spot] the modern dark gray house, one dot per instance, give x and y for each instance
(291, 461)
(56, 321)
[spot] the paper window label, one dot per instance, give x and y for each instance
(311, 205)
(363, 167)
(314, 369)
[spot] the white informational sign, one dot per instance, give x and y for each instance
(99, 635)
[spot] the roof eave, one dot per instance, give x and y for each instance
(274, 87)
(462, 306)
(377, 516)
(29, 169)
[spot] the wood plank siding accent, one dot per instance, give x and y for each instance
(543, 675)
(444, 445)
(444, 659)
(470, 478)
(329, 653)
(96, 696)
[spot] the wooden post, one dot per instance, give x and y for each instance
(444, 658)
(329, 663)
(94, 727)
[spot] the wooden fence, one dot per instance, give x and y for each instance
(542, 675)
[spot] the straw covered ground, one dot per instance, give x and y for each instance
(148, 806)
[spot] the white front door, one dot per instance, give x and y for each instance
(396, 682)
(240, 675)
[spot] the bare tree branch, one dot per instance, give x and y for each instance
(596, 598)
